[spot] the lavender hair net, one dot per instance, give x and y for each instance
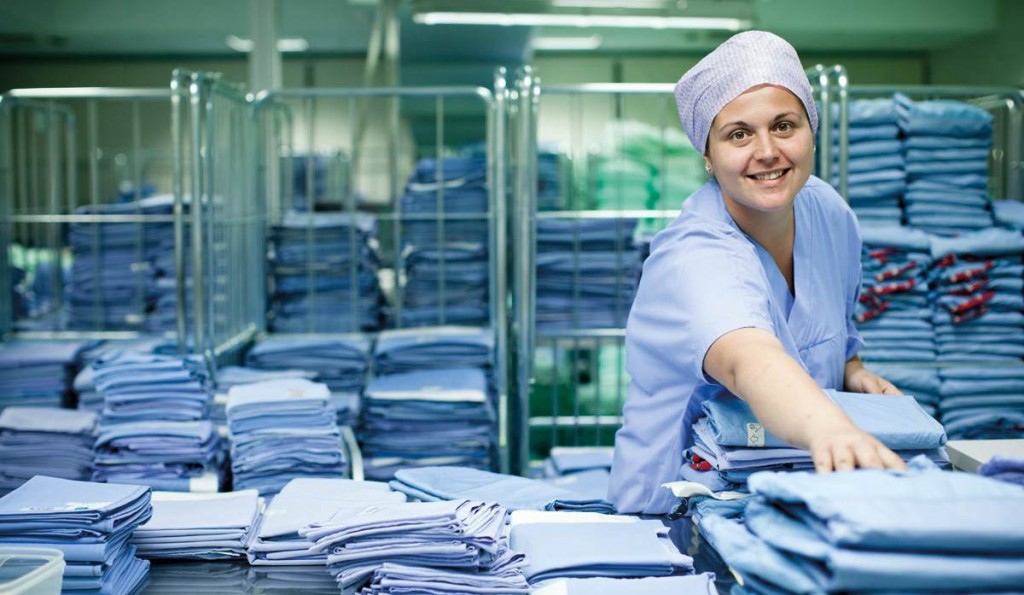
(743, 61)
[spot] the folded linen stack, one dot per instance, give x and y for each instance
(870, 530)
(948, 144)
(304, 501)
(464, 540)
(876, 161)
(894, 313)
(91, 523)
(587, 272)
(923, 382)
(445, 234)
(323, 269)
(578, 545)
(45, 441)
(408, 350)
(730, 445)
(38, 373)
(280, 430)
(198, 526)
(340, 362)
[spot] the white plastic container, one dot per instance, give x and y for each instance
(31, 570)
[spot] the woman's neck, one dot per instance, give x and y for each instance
(774, 231)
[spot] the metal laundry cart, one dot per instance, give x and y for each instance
(79, 166)
(385, 133)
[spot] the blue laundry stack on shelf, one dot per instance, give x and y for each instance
(45, 441)
(921, 381)
(280, 430)
(114, 275)
(38, 373)
(948, 144)
(408, 350)
(876, 165)
(445, 237)
(230, 376)
(587, 272)
(340, 362)
(154, 427)
(323, 269)
(979, 319)
(894, 315)
(164, 316)
(91, 523)
(549, 185)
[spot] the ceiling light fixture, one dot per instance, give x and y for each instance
(285, 44)
(571, 20)
(566, 43)
(608, 3)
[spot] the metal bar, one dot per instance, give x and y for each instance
(90, 93)
(451, 91)
(499, 280)
(842, 89)
(178, 189)
(439, 151)
(198, 178)
(557, 421)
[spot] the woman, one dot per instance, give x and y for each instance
(752, 288)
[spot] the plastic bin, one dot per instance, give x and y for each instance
(31, 571)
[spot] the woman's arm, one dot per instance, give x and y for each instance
(858, 379)
(753, 365)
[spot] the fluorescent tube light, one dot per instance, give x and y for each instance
(566, 43)
(286, 44)
(572, 20)
(608, 3)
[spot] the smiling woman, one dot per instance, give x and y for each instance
(750, 291)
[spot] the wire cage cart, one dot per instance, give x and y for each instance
(98, 222)
(416, 234)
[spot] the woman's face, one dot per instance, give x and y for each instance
(761, 149)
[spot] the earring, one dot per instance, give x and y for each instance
(707, 168)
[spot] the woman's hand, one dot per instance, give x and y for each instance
(845, 448)
(858, 379)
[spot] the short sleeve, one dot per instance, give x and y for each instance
(700, 284)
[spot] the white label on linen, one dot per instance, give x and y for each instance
(755, 435)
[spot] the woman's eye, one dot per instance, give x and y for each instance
(738, 135)
(783, 126)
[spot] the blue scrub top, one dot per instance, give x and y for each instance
(705, 278)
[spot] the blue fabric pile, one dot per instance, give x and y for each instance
(153, 427)
(445, 237)
(198, 526)
(114, 275)
(614, 547)
(549, 184)
(1009, 213)
(983, 402)
(409, 350)
(45, 441)
(38, 373)
(463, 542)
(280, 430)
(1004, 469)
(304, 501)
(91, 523)
(870, 530)
(230, 376)
(730, 445)
(587, 272)
(84, 384)
(922, 382)
(430, 484)
(894, 312)
(948, 144)
(443, 416)
(323, 271)
(876, 161)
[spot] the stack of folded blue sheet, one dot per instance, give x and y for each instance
(323, 269)
(428, 417)
(198, 526)
(876, 161)
(84, 384)
(408, 350)
(921, 531)
(280, 430)
(341, 362)
(698, 584)
(38, 373)
(566, 460)
(1009, 213)
(730, 445)
(920, 381)
(304, 501)
(163, 318)
(113, 274)
(948, 144)
(445, 235)
(979, 308)
(91, 523)
(587, 272)
(153, 427)
(983, 401)
(430, 484)
(894, 315)
(229, 376)
(463, 541)
(45, 441)
(597, 546)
